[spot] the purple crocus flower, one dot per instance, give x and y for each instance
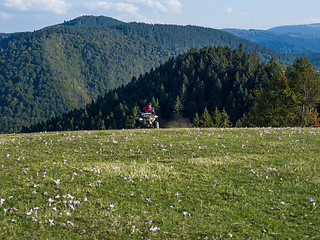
(70, 223)
(71, 207)
(57, 181)
(51, 222)
(154, 229)
(28, 213)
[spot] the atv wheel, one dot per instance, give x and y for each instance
(156, 125)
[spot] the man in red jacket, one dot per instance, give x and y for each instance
(147, 108)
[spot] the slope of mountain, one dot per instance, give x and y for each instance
(281, 41)
(211, 77)
(303, 28)
(56, 69)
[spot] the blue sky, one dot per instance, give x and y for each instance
(29, 15)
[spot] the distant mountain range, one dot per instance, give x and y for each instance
(284, 39)
(303, 28)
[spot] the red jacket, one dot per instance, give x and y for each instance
(146, 109)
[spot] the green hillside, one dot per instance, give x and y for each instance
(208, 78)
(48, 72)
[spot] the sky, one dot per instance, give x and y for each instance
(30, 15)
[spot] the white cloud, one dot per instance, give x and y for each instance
(227, 10)
(5, 15)
(151, 4)
(54, 6)
(119, 7)
(172, 6)
(244, 14)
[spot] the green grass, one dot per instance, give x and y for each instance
(244, 183)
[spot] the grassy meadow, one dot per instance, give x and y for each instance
(260, 183)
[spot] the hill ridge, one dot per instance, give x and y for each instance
(300, 28)
(87, 20)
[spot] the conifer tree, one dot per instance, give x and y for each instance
(225, 118)
(183, 94)
(178, 107)
(100, 125)
(217, 118)
(196, 121)
(206, 119)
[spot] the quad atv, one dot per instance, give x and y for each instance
(147, 120)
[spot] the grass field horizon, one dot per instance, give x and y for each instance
(177, 183)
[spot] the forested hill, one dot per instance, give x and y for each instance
(48, 72)
(212, 78)
(293, 42)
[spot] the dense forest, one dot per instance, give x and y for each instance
(212, 86)
(56, 69)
